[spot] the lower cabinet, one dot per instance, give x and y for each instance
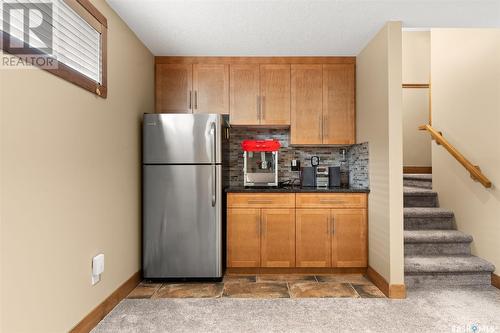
(260, 237)
(313, 238)
(349, 237)
(331, 237)
(278, 238)
(323, 231)
(243, 237)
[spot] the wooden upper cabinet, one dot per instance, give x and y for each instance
(275, 94)
(243, 237)
(173, 88)
(338, 104)
(278, 238)
(349, 238)
(306, 104)
(211, 88)
(314, 96)
(313, 239)
(244, 94)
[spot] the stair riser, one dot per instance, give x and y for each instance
(447, 279)
(429, 223)
(417, 183)
(420, 201)
(424, 249)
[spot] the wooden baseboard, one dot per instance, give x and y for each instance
(95, 316)
(417, 169)
(495, 280)
(295, 270)
(395, 291)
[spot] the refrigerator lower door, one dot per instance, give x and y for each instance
(182, 221)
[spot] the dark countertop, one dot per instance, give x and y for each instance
(295, 189)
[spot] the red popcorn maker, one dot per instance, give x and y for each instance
(260, 159)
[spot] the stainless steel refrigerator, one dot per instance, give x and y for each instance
(182, 195)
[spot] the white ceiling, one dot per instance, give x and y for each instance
(287, 27)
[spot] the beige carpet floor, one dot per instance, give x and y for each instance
(438, 310)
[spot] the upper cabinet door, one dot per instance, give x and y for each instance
(275, 94)
(307, 104)
(244, 94)
(349, 229)
(338, 104)
(211, 88)
(174, 88)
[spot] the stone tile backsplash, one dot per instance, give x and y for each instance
(357, 156)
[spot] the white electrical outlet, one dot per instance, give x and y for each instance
(97, 268)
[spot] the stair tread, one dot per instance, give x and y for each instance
(447, 264)
(414, 191)
(436, 236)
(427, 212)
(418, 176)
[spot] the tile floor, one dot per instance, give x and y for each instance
(264, 287)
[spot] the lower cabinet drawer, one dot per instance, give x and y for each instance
(261, 200)
(331, 200)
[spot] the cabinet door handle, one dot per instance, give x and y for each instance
(190, 99)
(258, 107)
(263, 107)
(320, 127)
(333, 225)
(328, 225)
(196, 99)
(259, 231)
(325, 129)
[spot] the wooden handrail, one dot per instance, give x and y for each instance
(475, 171)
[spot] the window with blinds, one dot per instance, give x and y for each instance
(76, 42)
(70, 31)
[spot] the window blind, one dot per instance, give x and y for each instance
(75, 42)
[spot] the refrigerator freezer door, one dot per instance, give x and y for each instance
(182, 138)
(182, 221)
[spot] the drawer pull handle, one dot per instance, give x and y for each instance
(259, 201)
(331, 201)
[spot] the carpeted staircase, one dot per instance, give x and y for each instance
(436, 254)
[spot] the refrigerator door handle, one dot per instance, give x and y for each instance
(214, 185)
(214, 147)
(214, 169)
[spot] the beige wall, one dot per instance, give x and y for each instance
(416, 69)
(466, 108)
(416, 56)
(378, 117)
(71, 185)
